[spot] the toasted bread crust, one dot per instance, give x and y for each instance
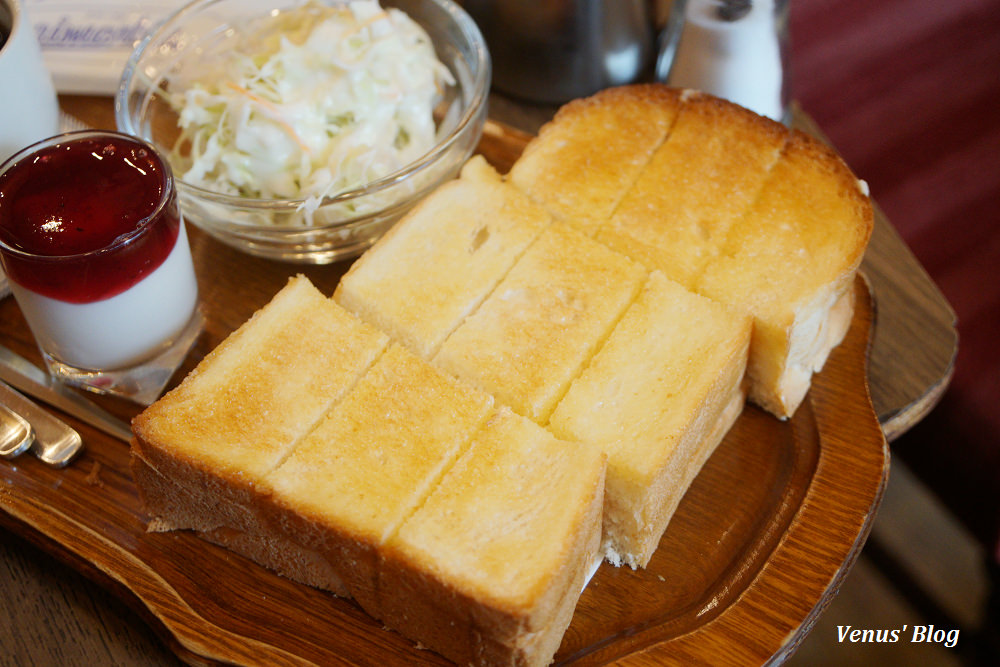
(697, 185)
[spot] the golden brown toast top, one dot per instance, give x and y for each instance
(546, 318)
(697, 185)
(378, 454)
(502, 523)
(249, 401)
(438, 264)
(584, 160)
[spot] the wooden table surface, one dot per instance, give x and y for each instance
(61, 617)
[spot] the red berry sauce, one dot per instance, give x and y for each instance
(84, 219)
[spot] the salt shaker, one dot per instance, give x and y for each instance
(735, 49)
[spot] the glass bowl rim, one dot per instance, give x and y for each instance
(480, 68)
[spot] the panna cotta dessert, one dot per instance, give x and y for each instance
(93, 244)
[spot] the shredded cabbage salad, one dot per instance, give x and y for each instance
(317, 101)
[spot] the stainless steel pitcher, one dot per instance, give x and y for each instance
(551, 51)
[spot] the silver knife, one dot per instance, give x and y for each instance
(55, 443)
(23, 375)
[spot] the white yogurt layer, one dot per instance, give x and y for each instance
(120, 331)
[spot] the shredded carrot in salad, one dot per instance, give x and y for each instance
(317, 100)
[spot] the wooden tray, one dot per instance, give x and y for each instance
(759, 545)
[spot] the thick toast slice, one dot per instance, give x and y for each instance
(657, 399)
(247, 404)
(700, 182)
(500, 550)
(350, 484)
(791, 263)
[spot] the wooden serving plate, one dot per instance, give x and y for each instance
(758, 546)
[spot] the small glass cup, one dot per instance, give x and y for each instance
(95, 248)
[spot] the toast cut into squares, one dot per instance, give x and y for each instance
(372, 461)
(698, 183)
(438, 264)
(791, 263)
(582, 162)
(501, 547)
(248, 402)
(542, 323)
(657, 399)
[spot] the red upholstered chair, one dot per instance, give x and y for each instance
(908, 92)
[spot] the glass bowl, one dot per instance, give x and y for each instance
(344, 224)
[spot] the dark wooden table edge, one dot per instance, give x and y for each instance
(839, 577)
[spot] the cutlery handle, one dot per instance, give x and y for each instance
(16, 434)
(55, 442)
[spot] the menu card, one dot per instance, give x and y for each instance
(86, 43)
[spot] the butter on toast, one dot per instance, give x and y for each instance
(791, 263)
(499, 552)
(361, 497)
(735, 207)
(240, 412)
(372, 461)
(697, 184)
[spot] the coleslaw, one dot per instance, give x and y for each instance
(317, 100)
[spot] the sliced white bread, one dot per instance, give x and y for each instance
(241, 411)
(583, 161)
(404, 457)
(310, 443)
(493, 562)
(542, 323)
(791, 263)
(438, 264)
(183, 505)
(658, 398)
(712, 208)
